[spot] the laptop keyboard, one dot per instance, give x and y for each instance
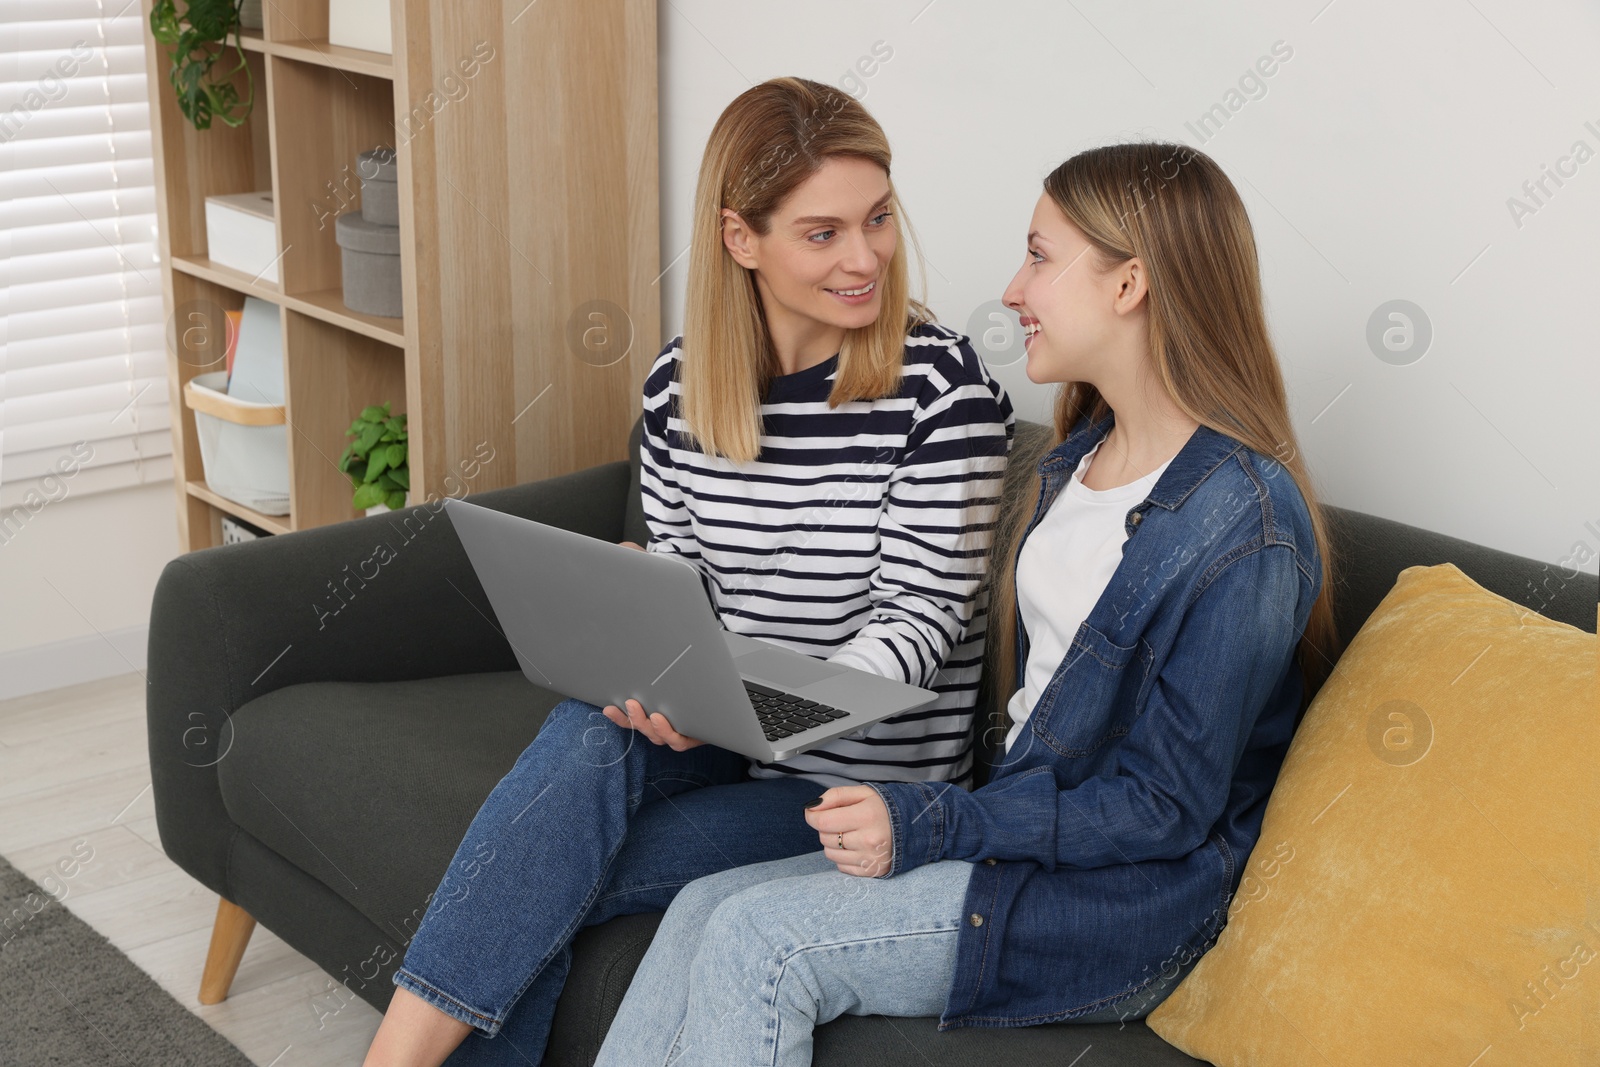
(783, 714)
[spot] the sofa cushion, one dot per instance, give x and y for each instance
(370, 786)
(1417, 894)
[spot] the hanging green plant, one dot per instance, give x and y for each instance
(376, 460)
(204, 92)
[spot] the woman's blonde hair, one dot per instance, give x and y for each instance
(768, 141)
(1174, 208)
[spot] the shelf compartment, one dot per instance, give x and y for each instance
(331, 374)
(322, 119)
(218, 161)
(196, 343)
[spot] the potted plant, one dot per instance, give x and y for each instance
(376, 460)
(200, 38)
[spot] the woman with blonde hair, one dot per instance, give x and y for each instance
(830, 460)
(1159, 623)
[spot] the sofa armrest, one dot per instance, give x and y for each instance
(387, 598)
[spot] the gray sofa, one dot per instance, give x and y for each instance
(325, 717)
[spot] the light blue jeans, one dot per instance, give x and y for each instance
(746, 962)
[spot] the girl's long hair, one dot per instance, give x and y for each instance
(1173, 208)
(771, 138)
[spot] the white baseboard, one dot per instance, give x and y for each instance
(77, 659)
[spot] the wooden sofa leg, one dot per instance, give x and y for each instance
(229, 936)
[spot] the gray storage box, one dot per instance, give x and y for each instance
(380, 186)
(370, 265)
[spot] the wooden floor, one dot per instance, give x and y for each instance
(75, 775)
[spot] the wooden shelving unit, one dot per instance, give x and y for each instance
(527, 152)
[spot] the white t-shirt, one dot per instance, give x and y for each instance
(1066, 563)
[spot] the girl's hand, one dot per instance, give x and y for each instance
(857, 812)
(631, 544)
(655, 727)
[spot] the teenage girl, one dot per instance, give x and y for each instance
(830, 460)
(1159, 622)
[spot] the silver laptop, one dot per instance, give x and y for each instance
(602, 622)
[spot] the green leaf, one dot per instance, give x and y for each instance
(402, 476)
(376, 463)
(369, 437)
(373, 413)
(386, 483)
(396, 500)
(397, 455)
(344, 457)
(367, 496)
(164, 21)
(199, 39)
(212, 18)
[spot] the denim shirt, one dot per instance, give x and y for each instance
(1112, 835)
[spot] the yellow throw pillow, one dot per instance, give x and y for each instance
(1424, 887)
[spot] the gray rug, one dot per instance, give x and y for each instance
(68, 997)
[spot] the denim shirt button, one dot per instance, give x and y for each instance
(975, 919)
(1138, 517)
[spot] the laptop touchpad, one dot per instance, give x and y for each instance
(788, 669)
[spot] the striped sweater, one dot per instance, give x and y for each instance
(859, 535)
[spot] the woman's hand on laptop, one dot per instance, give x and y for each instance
(655, 727)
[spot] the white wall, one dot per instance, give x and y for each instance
(76, 583)
(1376, 165)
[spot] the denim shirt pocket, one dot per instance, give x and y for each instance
(1095, 695)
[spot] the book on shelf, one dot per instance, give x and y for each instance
(257, 373)
(232, 318)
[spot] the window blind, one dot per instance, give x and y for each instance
(83, 377)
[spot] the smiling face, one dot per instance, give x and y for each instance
(1074, 317)
(823, 259)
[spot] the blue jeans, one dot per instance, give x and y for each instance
(747, 962)
(594, 821)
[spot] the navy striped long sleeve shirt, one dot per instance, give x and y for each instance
(859, 534)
